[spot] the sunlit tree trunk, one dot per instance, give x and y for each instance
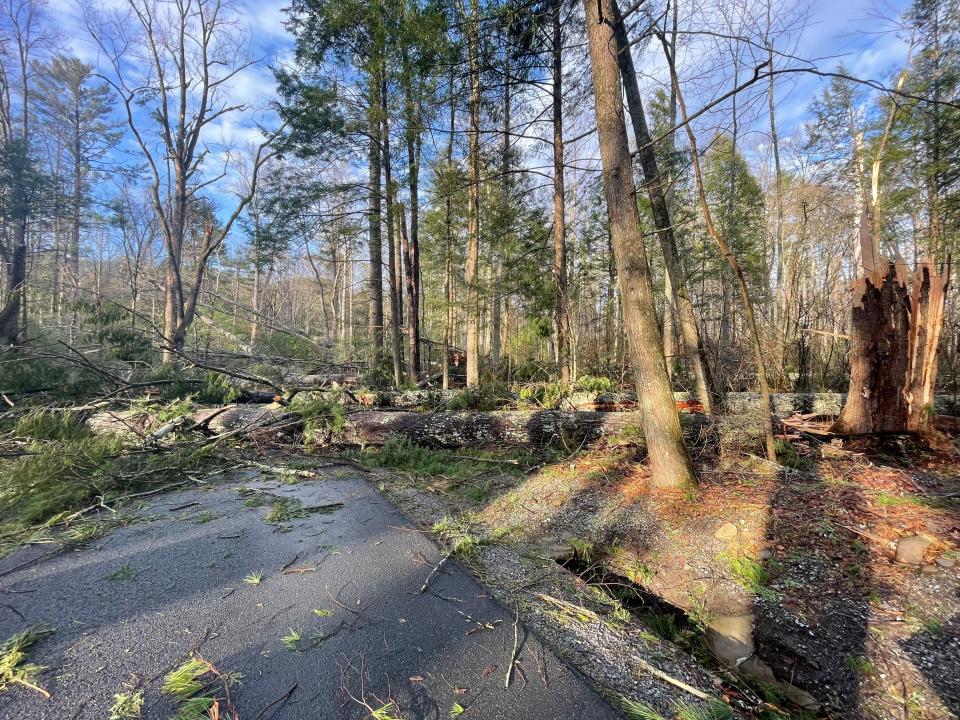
(375, 238)
(561, 310)
(473, 211)
(670, 463)
(718, 237)
(661, 216)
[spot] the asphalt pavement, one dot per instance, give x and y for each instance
(130, 606)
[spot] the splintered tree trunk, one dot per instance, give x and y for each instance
(894, 335)
(879, 352)
(670, 463)
(926, 325)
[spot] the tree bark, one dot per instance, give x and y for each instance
(448, 244)
(375, 238)
(725, 250)
(559, 204)
(895, 333)
(664, 225)
(412, 242)
(670, 463)
(505, 187)
(473, 210)
(392, 255)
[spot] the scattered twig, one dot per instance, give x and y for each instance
(657, 672)
(278, 470)
(516, 645)
(291, 562)
(279, 702)
(184, 506)
(433, 572)
(299, 570)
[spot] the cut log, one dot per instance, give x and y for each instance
(536, 428)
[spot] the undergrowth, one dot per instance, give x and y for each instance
(485, 397)
(458, 536)
(400, 453)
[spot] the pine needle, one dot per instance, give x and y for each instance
(14, 670)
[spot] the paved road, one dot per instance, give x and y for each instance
(132, 605)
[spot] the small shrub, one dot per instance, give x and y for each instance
(485, 397)
(789, 457)
(545, 395)
(741, 433)
(457, 536)
(590, 383)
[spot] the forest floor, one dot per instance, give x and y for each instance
(829, 581)
(806, 556)
(311, 590)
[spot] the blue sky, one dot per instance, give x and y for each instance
(847, 31)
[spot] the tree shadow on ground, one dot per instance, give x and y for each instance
(935, 651)
(811, 620)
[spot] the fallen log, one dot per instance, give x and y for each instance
(533, 428)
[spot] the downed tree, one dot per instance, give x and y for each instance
(534, 428)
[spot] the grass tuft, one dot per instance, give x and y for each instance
(714, 710)
(751, 575)
(637, 709)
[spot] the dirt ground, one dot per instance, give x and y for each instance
(789, 573)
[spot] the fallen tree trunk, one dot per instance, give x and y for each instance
(533, 428)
